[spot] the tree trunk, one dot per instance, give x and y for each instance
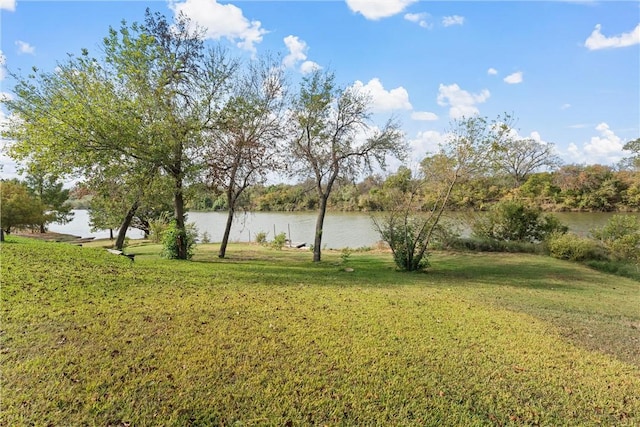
(227, 231)
(122, 232)
(178, 204)
(111, 234)
(42, 228)
(317, 243)
(1, 235)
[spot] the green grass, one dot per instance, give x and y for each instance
(269, 338)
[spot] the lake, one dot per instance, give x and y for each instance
(341, 229)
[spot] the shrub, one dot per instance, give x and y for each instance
(279, 241)
(621, 236)
(492, 245)
(158, 226)
(172, 236)
(261, 238)
(515, 221)
(206, 238)
(574, 248)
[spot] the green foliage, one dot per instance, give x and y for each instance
(206, 238)
(574, 248)
(173, 239)
(406, 235)
(279, 241)
(515, 221)
(18, 208)
(261, 237)
(621, 236)
(492, 245)
(345, 254)
(48, 189)
(158, 227)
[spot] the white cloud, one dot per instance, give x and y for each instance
(8, 5)
(461, 102)
(297, 51)
(382, 99)
(424, 116)
(565, 106)
(222, 21)
(418, 18)
(377, 9)
(605, 148)
(599, 41)
(308, 67)
(3, 68)
(514, 78)
(24, 47)
(448, 21)
(492, 71)
(424, 143)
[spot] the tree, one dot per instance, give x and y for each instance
(415, 211)
(246, 143)
(141, 107)
(48, 189)
(328, 138)
(403, 224)
(19, 207)
(634, 147)
(521, 157)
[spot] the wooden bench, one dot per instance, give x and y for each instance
(117, 252)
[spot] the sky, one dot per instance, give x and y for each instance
(567, 71)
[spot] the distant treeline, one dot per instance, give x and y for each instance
(593, 188)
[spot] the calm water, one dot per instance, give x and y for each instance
(341, 230)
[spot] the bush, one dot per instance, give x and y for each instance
(515, 221)
(492, 245)
(279, 241)
(574, 248)
(172, 236)
(158, 226)
(621, 236)
(261, 238)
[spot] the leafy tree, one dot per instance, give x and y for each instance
(403, 224)
(414, 208)
(634, 147)
(328, 143)
(19, 207)
(521, 157)
(141, 107)
(48, 189)
(246, 144)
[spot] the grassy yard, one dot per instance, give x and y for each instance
(267, 337)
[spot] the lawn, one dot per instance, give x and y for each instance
(267, 337)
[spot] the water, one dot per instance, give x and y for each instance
(341, 229)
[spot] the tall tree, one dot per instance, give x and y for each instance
(49, 190)
(634, 147)
(245, 145)
(19, 207)
(329, 126)
(520, 157)
(414, 207)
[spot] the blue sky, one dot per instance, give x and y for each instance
(569, 71)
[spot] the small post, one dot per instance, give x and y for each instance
(274, 231)
(289, 230)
